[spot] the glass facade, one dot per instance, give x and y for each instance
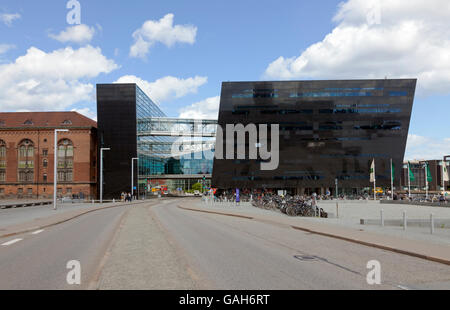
(174, 152)
(328, 130)
(132, 125)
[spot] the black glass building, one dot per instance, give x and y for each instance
(119, 106)
(328, 130)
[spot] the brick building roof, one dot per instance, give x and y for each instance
(44, 119)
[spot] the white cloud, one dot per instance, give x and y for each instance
(78, 34)
(6, 47)
(51, 81)
(419, 147)
(86, 112)
(408, 39)
(8, 19)
(205, 109)
(162, 31)
(166, 88)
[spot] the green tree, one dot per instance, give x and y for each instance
(197, 187)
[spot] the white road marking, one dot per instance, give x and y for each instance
(37, 232)
(403, 287)
(11, 242)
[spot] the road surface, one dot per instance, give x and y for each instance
(217, 252)
(237, 253)
(38, 260)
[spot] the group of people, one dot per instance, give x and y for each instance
(126, 197)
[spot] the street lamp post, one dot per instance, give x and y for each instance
(101, 172)
(55, 166)
(132, 176)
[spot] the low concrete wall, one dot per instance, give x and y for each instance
(24, 204)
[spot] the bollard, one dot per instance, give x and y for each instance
(114, 201)
(432, 223)
(404, 220)
(337, 209)
(93, 202)
(382, 218)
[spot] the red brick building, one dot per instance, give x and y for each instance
(27, 155)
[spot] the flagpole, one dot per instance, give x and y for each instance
(392, 180)
(409, 181)
(426, 178)
(374, 182)
(443, 177)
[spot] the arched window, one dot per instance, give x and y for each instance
(65, 161)
(26, 161)
(2, 161)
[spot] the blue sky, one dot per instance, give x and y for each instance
(202, 43)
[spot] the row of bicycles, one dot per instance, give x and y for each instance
(290, 205)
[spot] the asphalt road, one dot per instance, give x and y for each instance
(38, 261)
(222, 252)
(235, 253)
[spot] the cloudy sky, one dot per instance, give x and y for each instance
(180, 51)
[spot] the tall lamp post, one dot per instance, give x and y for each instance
(55, 166)
(132, 176)
(101, 172)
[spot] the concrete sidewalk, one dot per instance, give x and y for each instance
(417, 248)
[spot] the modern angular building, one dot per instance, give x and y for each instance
(118, 108)
(133, 126)
(328, 131)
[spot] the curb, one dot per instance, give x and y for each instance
(369, 244)
(213, 212)
(62, 221)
